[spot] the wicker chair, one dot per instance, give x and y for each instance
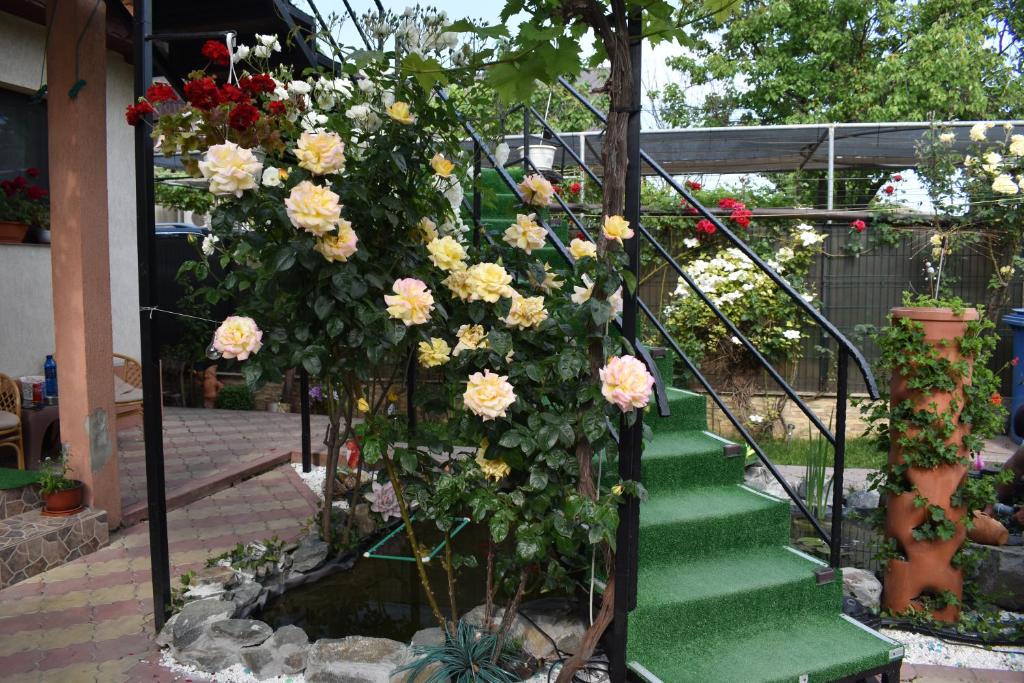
(127, 386)
(10, 418)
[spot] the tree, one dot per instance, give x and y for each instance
(796, 61)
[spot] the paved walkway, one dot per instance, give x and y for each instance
(199, 442)
(91, 619)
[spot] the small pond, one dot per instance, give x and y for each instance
(383, 598)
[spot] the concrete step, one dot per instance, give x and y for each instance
(18, 500)
(32, 543)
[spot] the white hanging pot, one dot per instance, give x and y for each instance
(542, 156)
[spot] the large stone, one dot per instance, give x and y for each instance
(220, 644)
(553, 619)
(364, 523)
(863, 586)
(283, 654)
(863, 499)
(1001, 575)
(217, 575)
(427, 636)
(354, 659)
(187, 625)
(311, 553)
(758, 477)
(245, 596)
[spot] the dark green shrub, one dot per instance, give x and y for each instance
(236, 397)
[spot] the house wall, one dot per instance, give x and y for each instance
(26, 300)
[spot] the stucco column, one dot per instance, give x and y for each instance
(79, 251)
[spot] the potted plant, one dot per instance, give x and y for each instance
(62, 496)
(23, 204)
(943, 400)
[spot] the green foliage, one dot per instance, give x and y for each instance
(53, 476)
(465, 657)
(236, 397)
(182, 198)
(818, 484)
(250, 556)
(860, 452)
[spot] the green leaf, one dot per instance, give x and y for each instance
(395, 331)
(252, 373)
(407, 458)
(283, 259)
(538, 479)
(311, 362)
(500, 342)
(323, 306)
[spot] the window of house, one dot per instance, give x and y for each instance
(22, 136)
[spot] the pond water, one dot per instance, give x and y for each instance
(383, 598)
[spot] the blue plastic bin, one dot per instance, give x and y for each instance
(1016, 322)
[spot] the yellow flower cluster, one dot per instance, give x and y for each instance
(338, 247)
(321, 153)
(313, 208)
(471, 337)
(616, 229)
(496, 469)
(488, 395)
(434, 352)
(400, 111)
(526, 312)
(581, 249)
(536, 190)
(488, 282)
(441, 166)
(447, 254)
(411, 303)
(525, 233)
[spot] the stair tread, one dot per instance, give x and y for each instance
(19, 528)
(682, 443)
(723, 573)
(703, 503)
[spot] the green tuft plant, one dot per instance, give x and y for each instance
(464, 658)
(53, 476)
(819, 456)
(236, 397)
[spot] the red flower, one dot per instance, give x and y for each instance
(706, 226)
(996, 399)
(276, 108)
(693, 185)
(161, 92)
(202, 93)
(353, 453)
(731, 203)
(557, 189)
(243, 116)
(231, 93)
(216, 52)
(575, 188)
(1016, 359)
(888, 189)
(858, 225)
(8, 187)
(32, 172)
(580, 235)
(692, 210)
(35, 193)
(741, 215)
(897, 178)
(134, 113)
(259, 83)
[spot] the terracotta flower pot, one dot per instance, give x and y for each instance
(65, 501)
(12, 232)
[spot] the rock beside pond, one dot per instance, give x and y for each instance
(245, 596)
(1001, 576)
(220, 643)
(758, 477)
(863, 499)
(283, 654)
(428, 636)
(863, 586)
(556, 619)
(354, 659)
(311, 553)
(186, 626)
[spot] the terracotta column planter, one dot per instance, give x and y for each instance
(12, 232)
(927, 569)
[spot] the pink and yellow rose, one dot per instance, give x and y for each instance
(238, 337)
(411, 303)
(626, 383)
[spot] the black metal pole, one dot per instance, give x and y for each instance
(526, 141)
(836, 540)
(152, 420)
(477, 212)
(410, 392)
(630, 437)
(307, 451)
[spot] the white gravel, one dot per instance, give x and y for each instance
(314, 479)
(921, 649)
(234, 674)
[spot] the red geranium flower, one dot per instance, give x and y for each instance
(741, 215)
(997, 400)
(35, 192)
(134, 113)
(557, 189)
(8, 187)
(256, 84)
(705, 226)
(231, 93)
(888, 189)
(580, 235)
(897, 178)
(243, 116)
(575, 188)
(32, 172)
(276, 107)
(858, 225)
(693, 185)
(692, 210)
(202, 93)
(161, 92)
(731, 203)
(216, 52)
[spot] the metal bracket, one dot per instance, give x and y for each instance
(824, 575)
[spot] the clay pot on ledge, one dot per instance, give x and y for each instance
(65, 501)
(12, 232)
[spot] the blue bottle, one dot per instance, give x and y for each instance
(50, 370)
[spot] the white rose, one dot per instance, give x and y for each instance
(1003, 184)
(1017, 145)
(261, 52)
(501, 153)
(299, 88)
(208, 244)
(791, 334)
(947, 138)
(271, 176)
(241, 53)
(979, 130)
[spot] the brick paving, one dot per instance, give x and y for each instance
(199, 443)
(91, 619)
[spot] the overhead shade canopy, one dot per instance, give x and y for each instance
(750, 149)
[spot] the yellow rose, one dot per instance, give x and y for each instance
(434, 353)
(525, 233)
(363, 405)
(313, 208)
(411, 303)
(549, 284)
(471, 337)
(321, 153)
(581, 249)
(426, 229)
(1017, 145)
(230, 169)
(616, 228)
(441, 166)
(447, 254)
(617, 489)
(536, 190)
(457, 283)
(526, 312)
(1003, 184)
(488, 395)
(340, 246)
(488, 282)
(238, 337)
(400, 112)
(496, 469)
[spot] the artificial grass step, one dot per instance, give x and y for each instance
(688, 412)
(688, 459)
(824, 648)
(722, 590)
(11, 478)
(684, 525)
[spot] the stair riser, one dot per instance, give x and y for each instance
(688, 411)
(690, 471)
(18, 500)
(676, 542)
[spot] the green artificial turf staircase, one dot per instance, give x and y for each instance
(499, 208)
(721, 596)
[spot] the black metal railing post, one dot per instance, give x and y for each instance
(307, 451)
(477, 205)
(152, 417)
(526, 141)
(630, 436)
(839, 463)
